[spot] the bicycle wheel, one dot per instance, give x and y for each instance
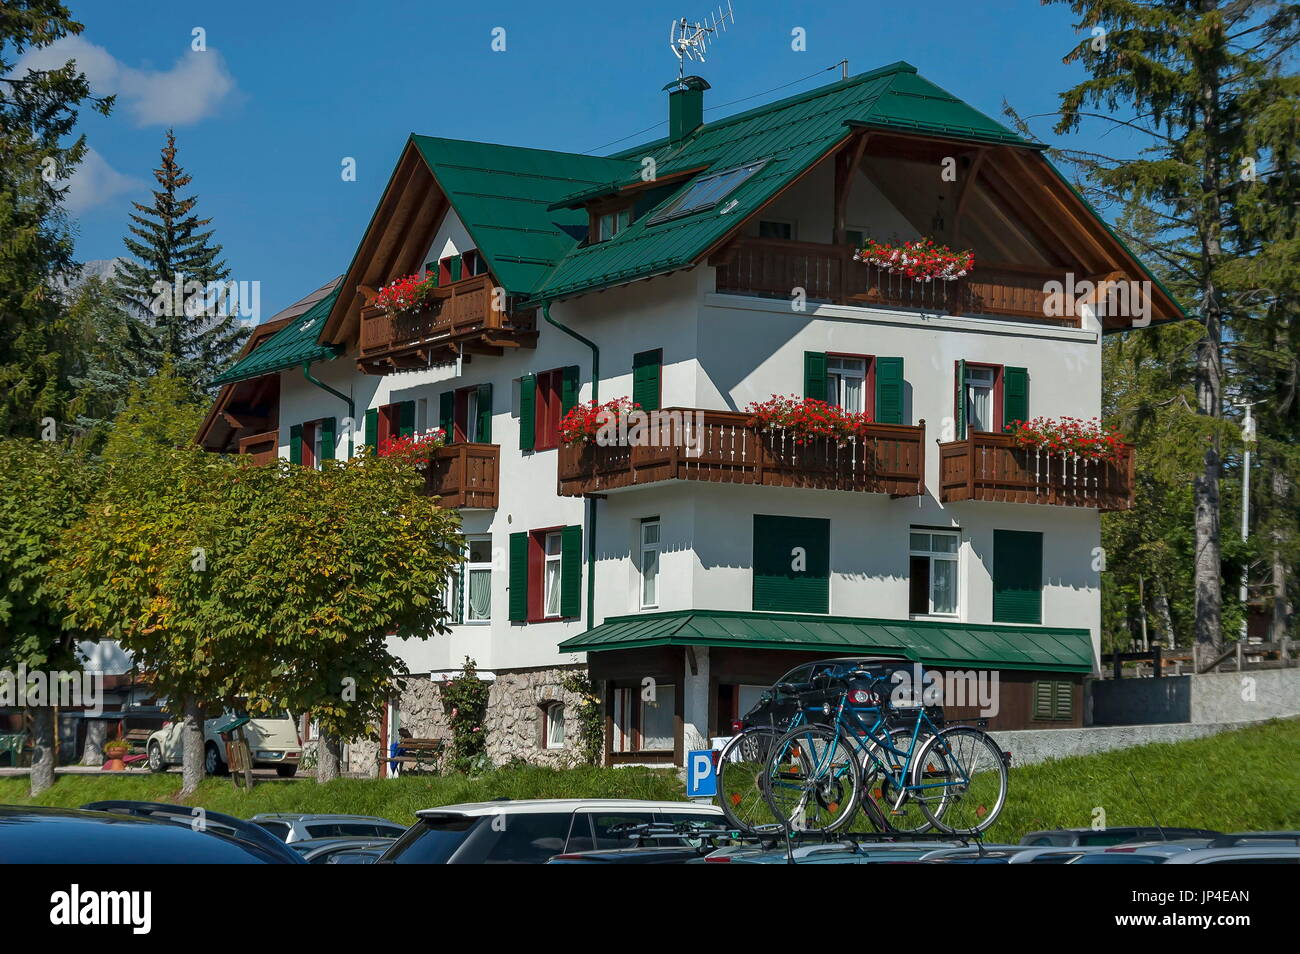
(812, 779)
(886, 776)
(740, 770)
(972, 795)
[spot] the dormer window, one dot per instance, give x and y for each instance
(607, 221)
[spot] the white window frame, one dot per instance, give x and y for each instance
(469, 571)
(932, 555)
(549, 722)
(970, 398)
(547, 559)
(643, 550)
(836, 378)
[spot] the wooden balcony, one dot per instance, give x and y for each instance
(262, 448)
(460, 318)
(990, 467)
(465, 475)
(773, 268)
(887, 459)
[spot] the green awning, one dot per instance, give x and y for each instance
(934, 643)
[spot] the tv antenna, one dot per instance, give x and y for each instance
(690, 41)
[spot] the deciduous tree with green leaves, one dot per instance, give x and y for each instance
(44, 490)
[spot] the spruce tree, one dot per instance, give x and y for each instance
(38, 152)
(1193, 81)
(198, 332)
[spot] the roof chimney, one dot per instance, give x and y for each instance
(685, 106)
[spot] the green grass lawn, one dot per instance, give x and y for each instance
(1235, 781)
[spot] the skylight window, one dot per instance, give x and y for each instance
(707, 192)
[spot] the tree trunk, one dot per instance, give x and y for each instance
(192, 754)
(1161, 600)
(329, 754)
(42, 748)
(1279, 626)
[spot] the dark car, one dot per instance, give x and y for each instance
(1088, 837)
(200, 819)
(36, 836)
(815, 683)
(648, 855)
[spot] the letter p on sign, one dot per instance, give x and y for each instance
(701, 782)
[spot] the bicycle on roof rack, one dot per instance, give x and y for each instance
(819, 774)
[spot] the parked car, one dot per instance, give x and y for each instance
(1069, 837)
(358, 856)
(532, 831)
(203, 819)
(1240, 855)
(845, 852)
(293, 827)
(34, 835)
(321, 851)
(272, 742)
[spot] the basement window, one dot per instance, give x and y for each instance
(706, 192)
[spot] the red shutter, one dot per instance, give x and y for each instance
(462, 415)
(536, 564)
(309, 444)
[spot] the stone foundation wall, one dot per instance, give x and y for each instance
(514, 717)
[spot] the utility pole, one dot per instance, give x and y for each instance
(1247, 437)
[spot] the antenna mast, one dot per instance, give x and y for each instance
(690, 41)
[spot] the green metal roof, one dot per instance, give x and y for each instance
(502, 195)
(289, 347)
(791, 135)
(935, 643)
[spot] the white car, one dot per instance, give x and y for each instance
(272, 741)
(532, 831)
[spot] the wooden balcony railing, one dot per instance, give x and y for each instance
(464, 311)
(465, 475)
(887, 459)
(990, 467)
(262, 448)
(773, 268)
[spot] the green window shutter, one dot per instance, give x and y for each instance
(1015, 395)
(1044, 698)
(647, 372)
(518, 577)
(372, 428)
(959, 398)
(571, 571)
(889, 390)
(327, 427)
(1063, 707)
(295, 444)
(484, 414)
(527, 411)
(406, 419)
(814, 375)
(447, 415)
(431, 272)
(458, 594)
(1017, 576)
(569, 387)
(454, 266)
(792, 564)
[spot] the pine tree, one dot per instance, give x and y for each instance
(1196, 79)
(109, 352)
(38, 116)
(170, 291)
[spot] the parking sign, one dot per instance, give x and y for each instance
(701, 782)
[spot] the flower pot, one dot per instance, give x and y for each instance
(113, 765)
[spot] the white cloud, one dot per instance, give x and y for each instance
(193, 88)
(95, 182)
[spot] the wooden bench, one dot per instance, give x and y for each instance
(138, 740)
(417, 753)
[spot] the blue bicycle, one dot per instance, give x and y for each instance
(894, 763)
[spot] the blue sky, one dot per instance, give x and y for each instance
(287, 89)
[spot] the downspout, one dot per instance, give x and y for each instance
(591, 518)
(352, 408)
